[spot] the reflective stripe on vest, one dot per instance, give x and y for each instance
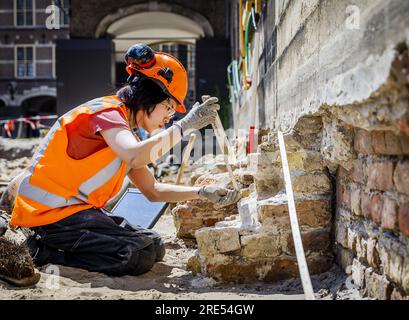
(52, 200)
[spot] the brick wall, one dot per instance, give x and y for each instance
(372, 214)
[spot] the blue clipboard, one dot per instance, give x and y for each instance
(138, 210)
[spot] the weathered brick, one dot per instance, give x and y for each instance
(398, 295)
(358, 171)
(377, 286)
(312, 213)
(366, 204)
(386, 142)
(405, 275)
(401, 177)
(375, 207)
(371, 253)
(356, 200)
(344, 258)
(343, 175)
(383, 257)
(361, 248)
(343, 196)
(341, 233)
(395, 267)
(389, 214)
(311, 183)
(318, 240)
(260, 245)
(358, 273)
(363, 142)
(380, 175)
(352, 239)
(404, 141)
(404, 219)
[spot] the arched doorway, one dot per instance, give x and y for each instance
(170, 32)
(37, 106)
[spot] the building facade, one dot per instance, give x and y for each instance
(29, 30)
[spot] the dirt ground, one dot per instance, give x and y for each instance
(169, 279)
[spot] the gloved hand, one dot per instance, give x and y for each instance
(200, 116)
(219, 195)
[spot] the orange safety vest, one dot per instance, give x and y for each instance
(56, 186)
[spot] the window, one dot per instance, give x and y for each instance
(64, 6)
(25, 62)
(24, 12)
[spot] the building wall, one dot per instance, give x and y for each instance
(309, 57)
(340, 68)
(36, 36)
(87, 15)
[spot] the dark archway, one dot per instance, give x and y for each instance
(38, 106)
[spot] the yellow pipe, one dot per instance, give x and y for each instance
(241, 28)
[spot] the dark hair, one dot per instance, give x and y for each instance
(141, 94)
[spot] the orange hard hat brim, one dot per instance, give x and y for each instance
(180, 108)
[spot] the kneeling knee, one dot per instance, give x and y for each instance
(142, 260)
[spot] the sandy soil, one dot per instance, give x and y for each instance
(169, 279)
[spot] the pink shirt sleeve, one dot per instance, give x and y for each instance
(107, 119)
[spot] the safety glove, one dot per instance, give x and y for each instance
(199, 116)
(219, 195)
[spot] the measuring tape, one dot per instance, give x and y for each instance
(299, 249)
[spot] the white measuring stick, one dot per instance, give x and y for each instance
(299, 249)
(225, 147)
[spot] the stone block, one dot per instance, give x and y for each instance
(227, 240)
(380, 175)
(358, 273)
(344, 258)
(311, 184)
(383, 257)
(316, 240)
(389, 214)
(401, 177)
(341, 232)
(356, 200)
(395, 267)
(343, 196)
(375, 208)
(386, 142)
(405, 275)
(361, 248)
(359, 171)
(404, 219)
(366, 205)
(302, 160)
(353, 238)
(363, 142)
(377, 286)
(192, 215)
(372, 254)
(319, 262)
(244, 177)
(311, 212)
(261, 245)
(193, 264)
(398, 295)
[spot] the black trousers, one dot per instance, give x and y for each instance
(96, 241)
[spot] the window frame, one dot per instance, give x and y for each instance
(25, 61)
(33, 10)
(62, 15)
